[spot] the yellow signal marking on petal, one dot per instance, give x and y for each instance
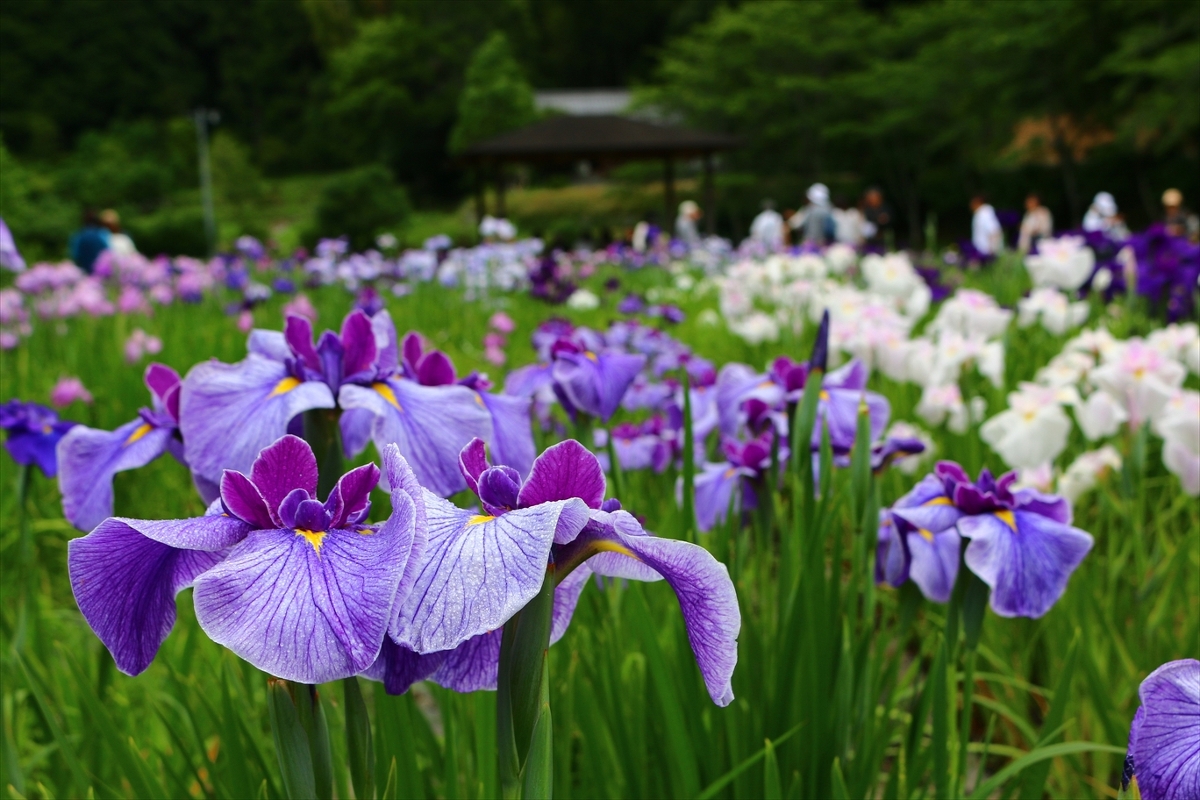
(613, 547)
(313, 537)
(926, 534)
(938, 501)
(824, 395)
(479, 399)
(1008, 518)
(479, 519)
(386, 393)
(284, 386)
(138, 433)
(592, 357)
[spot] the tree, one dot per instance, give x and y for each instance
(495, 96)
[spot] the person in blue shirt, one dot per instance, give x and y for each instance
(89, 241)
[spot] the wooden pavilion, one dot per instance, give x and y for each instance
(604, 141)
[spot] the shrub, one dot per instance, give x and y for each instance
(361, 204)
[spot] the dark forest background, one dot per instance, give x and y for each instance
(931, 100)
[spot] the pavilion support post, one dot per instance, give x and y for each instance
(668, 194)
(501, 209)
(480, 200)
(710, 197)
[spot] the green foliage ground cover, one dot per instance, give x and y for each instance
(842, 689)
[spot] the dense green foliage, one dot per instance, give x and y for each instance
(932, 100)
(870, 696)
(935, 100)
(495, 96)
(361, 204)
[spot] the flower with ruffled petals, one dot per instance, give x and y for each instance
(553, 526)
(356, 370)
(301, 589)
(1163, 760)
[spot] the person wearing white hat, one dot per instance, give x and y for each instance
(816, 218)
(1101, 214)
(685, 223)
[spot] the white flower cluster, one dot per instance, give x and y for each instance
(1108, 384)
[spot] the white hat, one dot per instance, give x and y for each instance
(688, 207)
(1105, 204)
(818, 194)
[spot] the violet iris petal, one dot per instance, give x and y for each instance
(565, 470)
(892, 556)
(125, 575)
(1026, 558)
(480, 570)
(431, 424)
(88, 459)
(334, 588)
(715, 485)
(594, 383)
(918, 540)
(398, 668)
(472, 666)
(701, 583)
(356, 425)
(842, 391)
(512, 439)
(256, 398)
(1164, 741)
(935, 559)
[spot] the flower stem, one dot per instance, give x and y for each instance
(523, 699)
(322, 432)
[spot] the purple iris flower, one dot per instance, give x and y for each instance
(918, 540)
(32, 434)
(1022, 544)
(301, 589)
(644, 445)
(631, 304)
(592, 383)
(557, 526)
(88, 458)
(841, 392)
(1164, 740)
(732, 481)
(358, 371)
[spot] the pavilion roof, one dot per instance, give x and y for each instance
(597, 137)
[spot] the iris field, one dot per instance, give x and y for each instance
(844, 686)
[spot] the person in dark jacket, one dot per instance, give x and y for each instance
(88, 242)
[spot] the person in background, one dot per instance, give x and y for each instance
(814, 222)
(119, 243)
(1037, 223)
(986, 234)
(685, 224)
(849, 224)
(1101, 214)
(89, 241)
(1177, 219)
(767, 227)
(877, 216)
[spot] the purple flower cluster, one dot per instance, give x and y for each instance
(1168, 268)
(32, 432)
(424, 594)
(1020, 543)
